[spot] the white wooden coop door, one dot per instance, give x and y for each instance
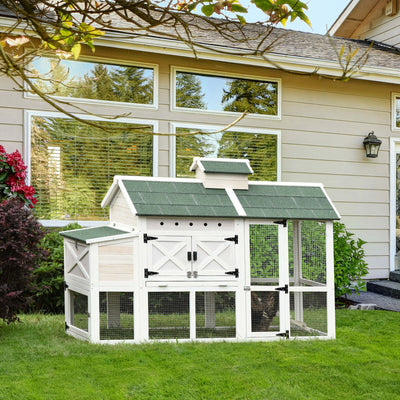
(193, 257)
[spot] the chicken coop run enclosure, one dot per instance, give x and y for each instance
(216, 257)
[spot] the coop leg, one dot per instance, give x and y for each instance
(113, 310)
(209, 307)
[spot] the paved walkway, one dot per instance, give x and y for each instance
(382, 302)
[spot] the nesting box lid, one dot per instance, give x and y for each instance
(96, 234)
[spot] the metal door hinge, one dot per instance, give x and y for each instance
(234, 239)
(66, 326)
(148, 273)
(235, 273)
(283, 223)
(65, 285)
(147, 238)
(284, 334)
(283, 288)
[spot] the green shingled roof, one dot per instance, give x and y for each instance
(191, 199)
(83, 235)
(178, 199)
(226, 167)
(286, 202)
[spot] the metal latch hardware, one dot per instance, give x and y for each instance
(195, 274)
(283, 223)
(234, 239)
(235, 273)
(284, 334)
(148, 273)
(283, 288)
(147, 238)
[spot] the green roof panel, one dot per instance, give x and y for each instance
(83, 235)
(226, 167)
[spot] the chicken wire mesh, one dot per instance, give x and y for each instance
(79, 310)
(169, 316)
(308, 314)
(116, 315)
(215, 314)
(307, 253)
(264, 255)
(264, 311)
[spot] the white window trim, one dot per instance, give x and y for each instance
(28, 114)
(174, 69)
(175, 125)
(395, 96)
(394, 149)
(82, 100)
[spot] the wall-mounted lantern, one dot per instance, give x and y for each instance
(372, 145)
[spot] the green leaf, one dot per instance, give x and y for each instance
(76, 50)
(208, 10)
(241, 19)
(238, 8)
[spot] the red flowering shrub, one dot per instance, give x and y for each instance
(20, 253)
(12, 178)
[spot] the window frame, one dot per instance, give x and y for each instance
(175, 125)
(395, 97)
(111, 61)
(174, 69)
(29, 114)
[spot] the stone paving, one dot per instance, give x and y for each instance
(382, 302)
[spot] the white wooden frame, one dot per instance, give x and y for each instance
(213, 128)
(217, 74)
(394, 150)
(109, 103)
(28, 114)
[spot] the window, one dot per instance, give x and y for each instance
(199, 91)
(261, 148)
(97, 81)
(73, 164)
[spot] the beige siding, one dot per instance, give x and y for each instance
(379, 27)
(322, 128)
(116, 262)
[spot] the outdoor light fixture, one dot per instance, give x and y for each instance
(372, 145)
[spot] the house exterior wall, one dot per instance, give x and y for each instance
(380, 27)
(323, 124)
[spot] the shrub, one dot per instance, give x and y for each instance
(20, 252)
(350, 266)
(48, 296)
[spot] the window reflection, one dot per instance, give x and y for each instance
(89, 80)
(216, 93)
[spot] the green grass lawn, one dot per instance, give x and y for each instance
(38, 361)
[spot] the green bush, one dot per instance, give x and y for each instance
(49, 275)
(350, 266)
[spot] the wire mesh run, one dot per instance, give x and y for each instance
(264, 311)
(79, 310)
(169, 316)
(215, 314)
(264, 255)
(308, 314)
(307, 253)
(116, 315)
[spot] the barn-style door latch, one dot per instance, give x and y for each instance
(283, 289)
(234, 239)
(235, 273)
(147, 238)
(148, 273)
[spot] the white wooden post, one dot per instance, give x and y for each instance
(113, 310)
(284, 298)
(330, 280)
(209, 309)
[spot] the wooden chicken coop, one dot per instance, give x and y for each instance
(216, 257)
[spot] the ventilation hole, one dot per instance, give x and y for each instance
(191, 223)
(219, 224)
(161, 223)
(176, 223)
(205, 224)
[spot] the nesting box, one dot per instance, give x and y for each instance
(216, 257)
